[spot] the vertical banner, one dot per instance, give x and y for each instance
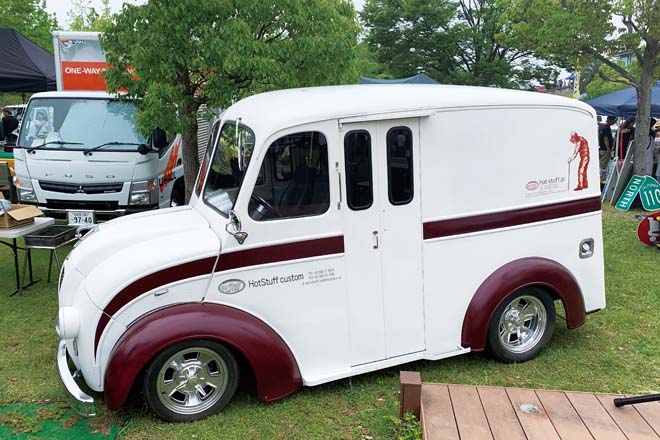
(576, 85)
(81, 62)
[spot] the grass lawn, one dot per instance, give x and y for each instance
(617, 351)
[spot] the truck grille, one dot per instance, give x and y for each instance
(82, 205)
(86, 188)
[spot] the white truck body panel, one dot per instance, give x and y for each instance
(397, 290)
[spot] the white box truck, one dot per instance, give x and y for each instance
(340, 230)
(81, 155)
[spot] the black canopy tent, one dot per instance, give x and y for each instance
(24, 66)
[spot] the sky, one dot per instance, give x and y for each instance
(61, 7)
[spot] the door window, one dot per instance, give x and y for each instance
(359, 182)
(293, 180)
(399, 165)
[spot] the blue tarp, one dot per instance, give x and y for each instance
(417, 79)
(624, 102)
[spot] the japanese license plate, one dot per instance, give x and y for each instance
(80, 218)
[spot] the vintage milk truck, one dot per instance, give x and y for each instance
(340, 230)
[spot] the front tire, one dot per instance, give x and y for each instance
(191, 380)
(522, 325)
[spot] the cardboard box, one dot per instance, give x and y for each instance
(19, 215)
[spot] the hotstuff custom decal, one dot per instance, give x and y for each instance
(545, 185)
(306, 278)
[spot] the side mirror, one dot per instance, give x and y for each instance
(144, 149)
(158, 138)
(234, 228)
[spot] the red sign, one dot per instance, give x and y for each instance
(648, 230)
(83, 75)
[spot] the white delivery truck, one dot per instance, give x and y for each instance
(82, 157)
(340, 230)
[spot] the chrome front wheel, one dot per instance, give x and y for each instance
(191, 380)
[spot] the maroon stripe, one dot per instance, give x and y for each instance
(232, 260)
(484, 222)
(151, 281)
(102, 324)
(281, 252)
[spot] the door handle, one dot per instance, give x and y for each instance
(375, 239)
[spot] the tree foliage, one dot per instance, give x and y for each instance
(29, 17)
(453, 41)
(176, 56)
(600, 82)
(85, 17)
(582, 31)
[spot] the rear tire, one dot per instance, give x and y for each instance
(522, 325)
(191, 380)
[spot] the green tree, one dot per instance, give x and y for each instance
(601, 82)
(580, 32)
(187, 53)
(453, 41)
(84, 17)
(29, 17)
(365, 64)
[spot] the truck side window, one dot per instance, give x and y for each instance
(359, 183)
(399, 165)
(300, 185)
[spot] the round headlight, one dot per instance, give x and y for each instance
(68, 323)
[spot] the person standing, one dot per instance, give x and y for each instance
(627, 135)
(605, 143)
(9, 124)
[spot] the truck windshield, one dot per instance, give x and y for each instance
(80, 124)
(226, 170)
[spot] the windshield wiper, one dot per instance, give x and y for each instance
(107, 144)
(39, 147)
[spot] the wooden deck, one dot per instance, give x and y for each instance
(453, 412)
(469, 412)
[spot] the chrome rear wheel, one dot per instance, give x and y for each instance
(522, 325)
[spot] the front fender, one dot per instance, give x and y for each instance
(275, 369)
(525, 272)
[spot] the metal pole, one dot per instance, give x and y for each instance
(14, 248)
(621, 401)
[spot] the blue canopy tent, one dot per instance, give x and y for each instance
(624, 102)
(417, 79)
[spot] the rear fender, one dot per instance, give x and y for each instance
(275, 368)
(525, 272)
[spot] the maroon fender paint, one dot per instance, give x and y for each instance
(533, 271)
(275, 369)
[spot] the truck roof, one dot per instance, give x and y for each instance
(75, 94)
(278, 109)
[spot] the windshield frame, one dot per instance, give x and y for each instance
(79, 149)
(216, 145)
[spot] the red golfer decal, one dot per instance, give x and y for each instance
(581, 150)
